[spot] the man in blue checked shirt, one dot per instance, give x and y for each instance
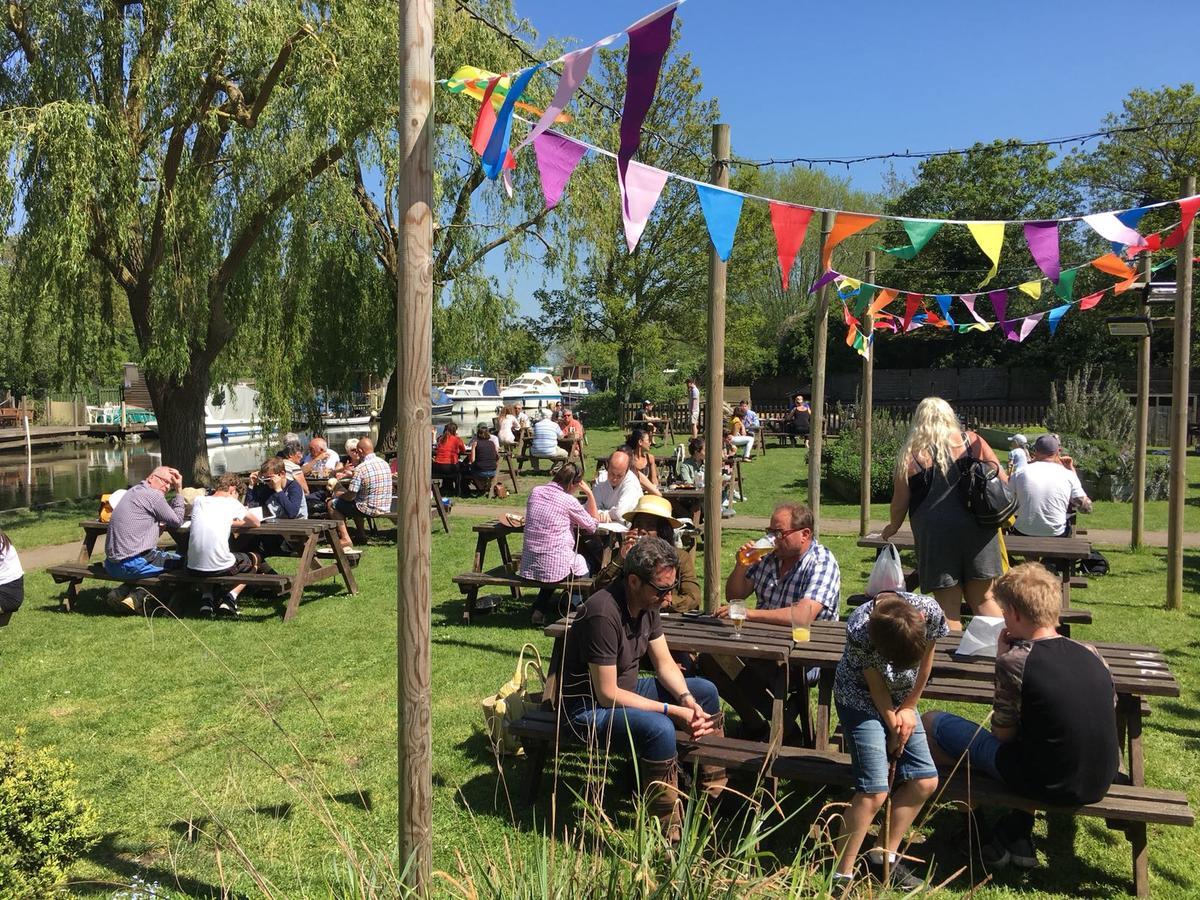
(797, 584)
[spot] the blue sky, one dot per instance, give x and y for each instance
(804, 79)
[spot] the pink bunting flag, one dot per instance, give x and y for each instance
(968, 301)
(1108, 226)
(643, 185)
(1091, 300)
(1027, 326)
(1187, 212)
(575, 69)
(1042, 238)
(790, 224)
(557, 157)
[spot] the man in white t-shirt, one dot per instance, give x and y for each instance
(1048, 490)
(620, 492)
(693, 401)
(208, 552)
(1018, 455)
(320, 459)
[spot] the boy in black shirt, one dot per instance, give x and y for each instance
(1054, 731)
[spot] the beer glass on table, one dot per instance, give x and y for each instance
(737, 615)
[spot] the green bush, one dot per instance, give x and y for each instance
(1106, 469)
(841, 455)
(1092, 407)
(44, 826)
(598, 410)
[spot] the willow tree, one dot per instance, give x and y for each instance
(171, 147)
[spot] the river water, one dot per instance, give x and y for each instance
(89, 470)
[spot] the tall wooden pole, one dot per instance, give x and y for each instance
(714, 418)
(414, 358)
(817, 431)
(865, 411)
(1179, 410)
(1137, 532)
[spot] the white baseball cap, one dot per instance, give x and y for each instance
(1019, 439)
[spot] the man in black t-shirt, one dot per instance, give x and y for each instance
(606, 700)
(1054, 731)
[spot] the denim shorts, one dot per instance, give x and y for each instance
(144, 565)
(866, 739)
(955, 735)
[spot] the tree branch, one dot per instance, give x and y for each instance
(246, 109)
(524, 227)
(14, 21)
(462, 205)
(387, 238)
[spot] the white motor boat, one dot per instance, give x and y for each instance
(533, 390)
(475, 399)
(236, 419)
(575, 389)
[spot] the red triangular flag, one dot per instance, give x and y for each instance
(911, 303)
(485, 122)
(1091, 300)
(790, 224)
(1187, 212)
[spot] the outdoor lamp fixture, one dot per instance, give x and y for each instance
(1129, 326)
(1160, 292)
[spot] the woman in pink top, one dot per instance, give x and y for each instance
(552, 514)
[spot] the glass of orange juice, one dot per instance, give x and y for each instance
(761, 547)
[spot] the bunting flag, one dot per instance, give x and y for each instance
(919, 234)
(1027, 326)
(886, 296)
(1130, 217)
(1187, 212)
(911, 303)
(969, 302)
(472, 81)
(1066, 285)
(1091, 300)
(861, 344)
(1032, 288)
(575, 67)
(1042, 238)
(496, 155)
(1107, 225)
(648, 41)
(829, 276)
(1111, 264)
(943, 301)
(990, 238)
(643, 186)
(844, 226)
(485, 124)
(722, 209)
(1054, 316)
(790, 224)
(557, 158)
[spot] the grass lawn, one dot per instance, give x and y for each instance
(58, 524)
(172, 722)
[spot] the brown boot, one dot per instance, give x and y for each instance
(712, 779)
(660, 781)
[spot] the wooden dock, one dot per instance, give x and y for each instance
(49, 435)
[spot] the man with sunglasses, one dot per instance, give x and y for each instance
(798, 583)
(131, 545)
(607, 701)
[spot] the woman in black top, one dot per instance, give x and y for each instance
(484, 456)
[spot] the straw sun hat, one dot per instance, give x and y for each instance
(651, 505)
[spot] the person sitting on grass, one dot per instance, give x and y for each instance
(883, 670)
(368, 494)
(1053, 735)
(606, 701)
(213, 519)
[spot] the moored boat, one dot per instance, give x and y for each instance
(533, 390)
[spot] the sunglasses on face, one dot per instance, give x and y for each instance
(662, 592)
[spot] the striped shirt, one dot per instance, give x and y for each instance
(549, 551)
(815, 576)
(372, 486)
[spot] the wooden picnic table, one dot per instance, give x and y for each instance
(713, 640)
(312, 532)
(688, 499)
(1062, 552)
(1137, 672)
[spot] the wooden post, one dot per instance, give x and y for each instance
(1179, 410)
(1137, 531)
(865, 412)
(817, 431)
(414, 358)
(714, 584)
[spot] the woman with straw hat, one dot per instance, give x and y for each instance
(652, 517)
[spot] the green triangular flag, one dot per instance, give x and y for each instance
(1066, 284)
(863, 300)
(919, 233)
(860, 343)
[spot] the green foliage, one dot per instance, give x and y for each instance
(1106, 468)
(44, 825)
(841, 455)
(1093, 407)
(599, 409)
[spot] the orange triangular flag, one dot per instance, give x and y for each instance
(845, 225)
(886, 296)
(1112, 264)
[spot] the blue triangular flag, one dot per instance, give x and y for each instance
(944, 300)
(722, 211)
(1058, 312)
(492, 160)
(1129, 217)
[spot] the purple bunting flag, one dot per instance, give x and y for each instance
(648, 42)
(823, 280)
(1042, 238)
(557, 157)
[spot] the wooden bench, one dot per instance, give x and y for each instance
(500, 576)
(73, 573)
(1066, 617)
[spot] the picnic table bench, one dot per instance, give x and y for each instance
(310, 569)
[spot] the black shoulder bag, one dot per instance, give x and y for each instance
(986, 497)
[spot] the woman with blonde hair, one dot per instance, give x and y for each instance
(957, 558)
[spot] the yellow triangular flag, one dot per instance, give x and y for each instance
(1032, 288)
(990, 238)
(848, 283)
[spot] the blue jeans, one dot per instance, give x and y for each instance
(653, 733)
(152, 562)
(955, 736)
(866, 739)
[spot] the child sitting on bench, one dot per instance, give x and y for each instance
(879, 679)
(1054, 732)
(208, 552)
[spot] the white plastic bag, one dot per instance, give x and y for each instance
(887, 574)
(980, 635)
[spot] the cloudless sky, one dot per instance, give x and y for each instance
(854, 78)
